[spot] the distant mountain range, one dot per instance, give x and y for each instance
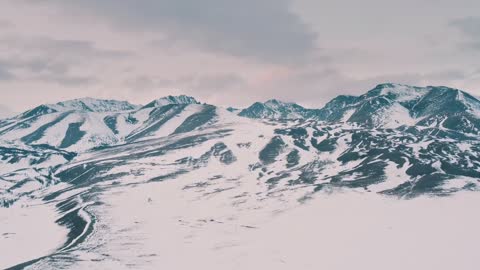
(387, 105)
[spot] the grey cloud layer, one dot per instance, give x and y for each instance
(265, 30)
(5, 75)
(204, 84)
(470, 26)
(49, 60)
(55, 48)
(232, 52)
(4, 24)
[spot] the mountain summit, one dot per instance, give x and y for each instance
(275, 109)
(182, 99)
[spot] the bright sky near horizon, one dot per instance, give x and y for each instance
(232, 52)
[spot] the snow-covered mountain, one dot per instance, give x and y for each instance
(275, 109)
(388, 106)
(393, 105)
(430, 133)
(95, 160)
(83, 124)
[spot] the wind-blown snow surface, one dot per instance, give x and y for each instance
(28, 231)
(155, 226)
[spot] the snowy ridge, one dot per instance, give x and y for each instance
(82, 105)
(93, 105)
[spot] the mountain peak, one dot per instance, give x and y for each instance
(275, 109)
(276, 103)
(181, 99)
(388, 85)
(398, 92)
(273, 103)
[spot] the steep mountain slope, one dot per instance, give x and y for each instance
(384, 106)
(449, 108)
(394, 105)
(26, 169)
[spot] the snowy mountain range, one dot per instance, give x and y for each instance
(395, 140)
(388, 106)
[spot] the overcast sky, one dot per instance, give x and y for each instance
(231, 52)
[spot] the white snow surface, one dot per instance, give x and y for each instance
(394, 116)
(28, 231)
(158, 226)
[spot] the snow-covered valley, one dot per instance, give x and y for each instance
(153, 226)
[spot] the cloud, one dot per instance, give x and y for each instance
(67, 80)
(314, 87)
(5, 111)
(5, 24)
(35, 65)
(265, 30)
(219, 82)
(50, 60)
(41, 70)
(206, 84)
(60, 48)
(5, 75)
(470, 27)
